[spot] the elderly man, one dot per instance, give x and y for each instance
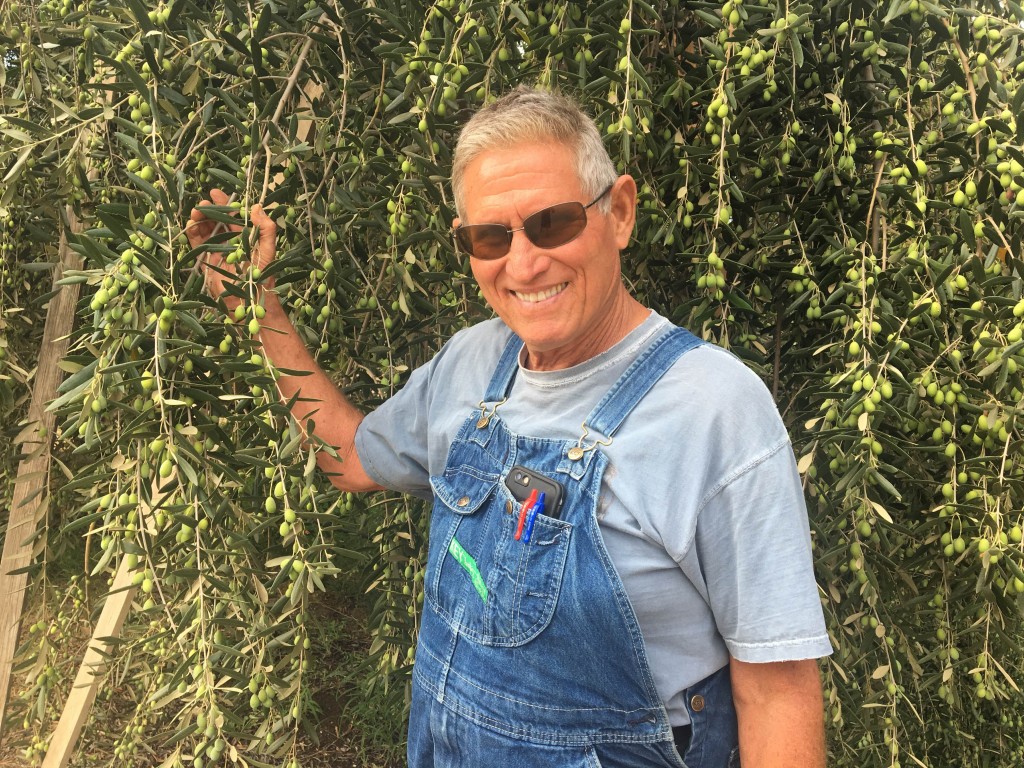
(656, 604)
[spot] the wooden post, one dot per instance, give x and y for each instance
(30, 485)
(108, 629)
(83, 692)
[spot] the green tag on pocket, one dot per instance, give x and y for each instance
(469, 564)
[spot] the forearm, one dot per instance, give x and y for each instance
(780, 715)
(315, 398)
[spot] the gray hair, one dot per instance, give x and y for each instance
(531, 114)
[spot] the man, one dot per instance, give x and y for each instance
(665, 606)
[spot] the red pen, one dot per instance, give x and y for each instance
(530, 501)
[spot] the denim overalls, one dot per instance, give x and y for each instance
(529, 654)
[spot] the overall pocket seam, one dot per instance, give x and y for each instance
(547, 577)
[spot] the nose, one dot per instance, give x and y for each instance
(524, 260)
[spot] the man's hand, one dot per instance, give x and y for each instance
(780, 713)
(217, 272)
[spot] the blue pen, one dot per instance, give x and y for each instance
(531, 516)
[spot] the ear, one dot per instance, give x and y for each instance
(623, 209)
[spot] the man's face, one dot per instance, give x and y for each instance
(566, 303)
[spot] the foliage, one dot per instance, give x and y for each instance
(834, 193)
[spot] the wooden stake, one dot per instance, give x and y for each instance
(83, 693)
(115, 609)
(30, 485)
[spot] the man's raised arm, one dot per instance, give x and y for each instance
(316, 399)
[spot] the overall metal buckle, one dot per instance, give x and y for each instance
(485, 417)
(576, 452)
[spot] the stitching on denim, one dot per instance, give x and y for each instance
(542, 737)
(625, 607)
(551, 738)
(517, 638)
(472, 683)
(453, 672)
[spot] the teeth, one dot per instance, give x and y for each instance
(541, 295)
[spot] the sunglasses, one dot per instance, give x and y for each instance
(547, 228)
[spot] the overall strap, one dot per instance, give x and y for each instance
(505, 371)
(638, 380)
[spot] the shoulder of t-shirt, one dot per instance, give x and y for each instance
(729, 393)
(725, 424)
(708, 362)
(488, 337)
(479, 345)
(467, 359)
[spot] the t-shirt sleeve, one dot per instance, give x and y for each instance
(392, 441)
(406, 439)
(753, 543)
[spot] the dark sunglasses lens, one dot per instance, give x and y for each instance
(555, 226)
(484, 241)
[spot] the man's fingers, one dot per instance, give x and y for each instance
(261, 220)
(197, 229)
(197, 213)
(267, 245)
(201, 228)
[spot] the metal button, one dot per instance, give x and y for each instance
(508, 507)
(697, 703)
(575, 453)
(483, 422)
(463, 501)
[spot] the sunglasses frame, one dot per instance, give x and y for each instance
(460, 230)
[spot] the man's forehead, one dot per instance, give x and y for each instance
(532, 163)
(540, 145)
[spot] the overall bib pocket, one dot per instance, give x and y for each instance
(485, 584)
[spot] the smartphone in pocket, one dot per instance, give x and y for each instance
(521, 480)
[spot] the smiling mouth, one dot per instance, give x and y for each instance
(533, 298)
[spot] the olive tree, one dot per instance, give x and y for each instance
(833, 193)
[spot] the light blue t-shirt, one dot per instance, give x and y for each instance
(701, 508)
